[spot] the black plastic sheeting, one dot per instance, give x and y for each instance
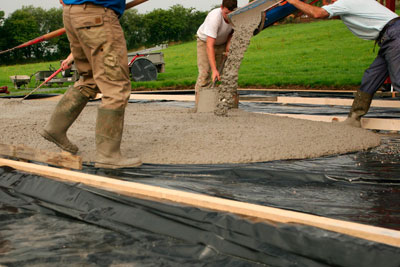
(363, 187)
(45, 222)
(156, 234)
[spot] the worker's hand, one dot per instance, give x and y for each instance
(215, 76)
(67, 63)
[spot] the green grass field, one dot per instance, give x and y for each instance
(316, 54)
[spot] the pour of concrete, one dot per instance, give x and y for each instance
(244, 24)
(172, 135)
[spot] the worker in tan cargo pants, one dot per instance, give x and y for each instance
(99, 50)
(204, 79)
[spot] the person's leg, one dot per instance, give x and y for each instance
(391, 52)
(74, 99)
(65, 113)
(387, 63)
(219, 57)
(372, 80)
(204, 69)
(104, 45)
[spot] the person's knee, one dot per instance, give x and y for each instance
(203, 80)
(88, 91)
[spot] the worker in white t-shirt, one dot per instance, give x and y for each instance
(369, 20)
(213, 39)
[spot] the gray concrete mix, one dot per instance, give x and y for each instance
(174, 135)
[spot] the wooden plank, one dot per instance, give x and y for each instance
(245, 98)
(262, 213)
(335, 101)
(161, 97)
(187, 91)
(280, 99)
(367, 123)
(138, 96)
(63, 159)
(379, 93)
(296, 90)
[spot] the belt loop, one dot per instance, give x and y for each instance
(84, 6)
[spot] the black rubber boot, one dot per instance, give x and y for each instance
(109, 128)
(360, 107)
(65, 113)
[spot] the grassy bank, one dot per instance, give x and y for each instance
(317, 54)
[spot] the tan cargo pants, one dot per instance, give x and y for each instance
(204, 77)
(99, 48)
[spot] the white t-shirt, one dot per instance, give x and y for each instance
(364, 18)
(215, 26)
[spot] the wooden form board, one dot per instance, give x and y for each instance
(380, 93)
(274, 99)
(335, 101)
(367, 123)
(161, 97)
(261, 213)
(63, 159)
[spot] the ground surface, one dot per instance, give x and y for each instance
(172, 135)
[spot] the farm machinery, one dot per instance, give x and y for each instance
(143, 65)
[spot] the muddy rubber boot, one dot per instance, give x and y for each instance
(360, 107)
(65, 113)
(109, 127)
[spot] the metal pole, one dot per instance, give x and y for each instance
(391, 4)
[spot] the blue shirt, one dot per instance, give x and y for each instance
(364, 18)
(117, 5)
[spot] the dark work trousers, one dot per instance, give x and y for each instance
(387, 62)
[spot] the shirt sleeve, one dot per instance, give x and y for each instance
(211, 25)
(337, 9)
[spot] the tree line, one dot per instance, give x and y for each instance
(177, 24)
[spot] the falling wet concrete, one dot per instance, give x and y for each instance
(173, 135)
(244, 27)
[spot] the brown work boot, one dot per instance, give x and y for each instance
(109, 127)
(65, 113)
(362, 102)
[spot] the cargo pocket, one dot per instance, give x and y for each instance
(90, 30)
(112, 67)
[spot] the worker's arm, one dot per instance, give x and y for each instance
(211, 58)
(310, 10)
(67, 63)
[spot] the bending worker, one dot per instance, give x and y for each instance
(98, 48)
(213, 40)
(368, 20)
